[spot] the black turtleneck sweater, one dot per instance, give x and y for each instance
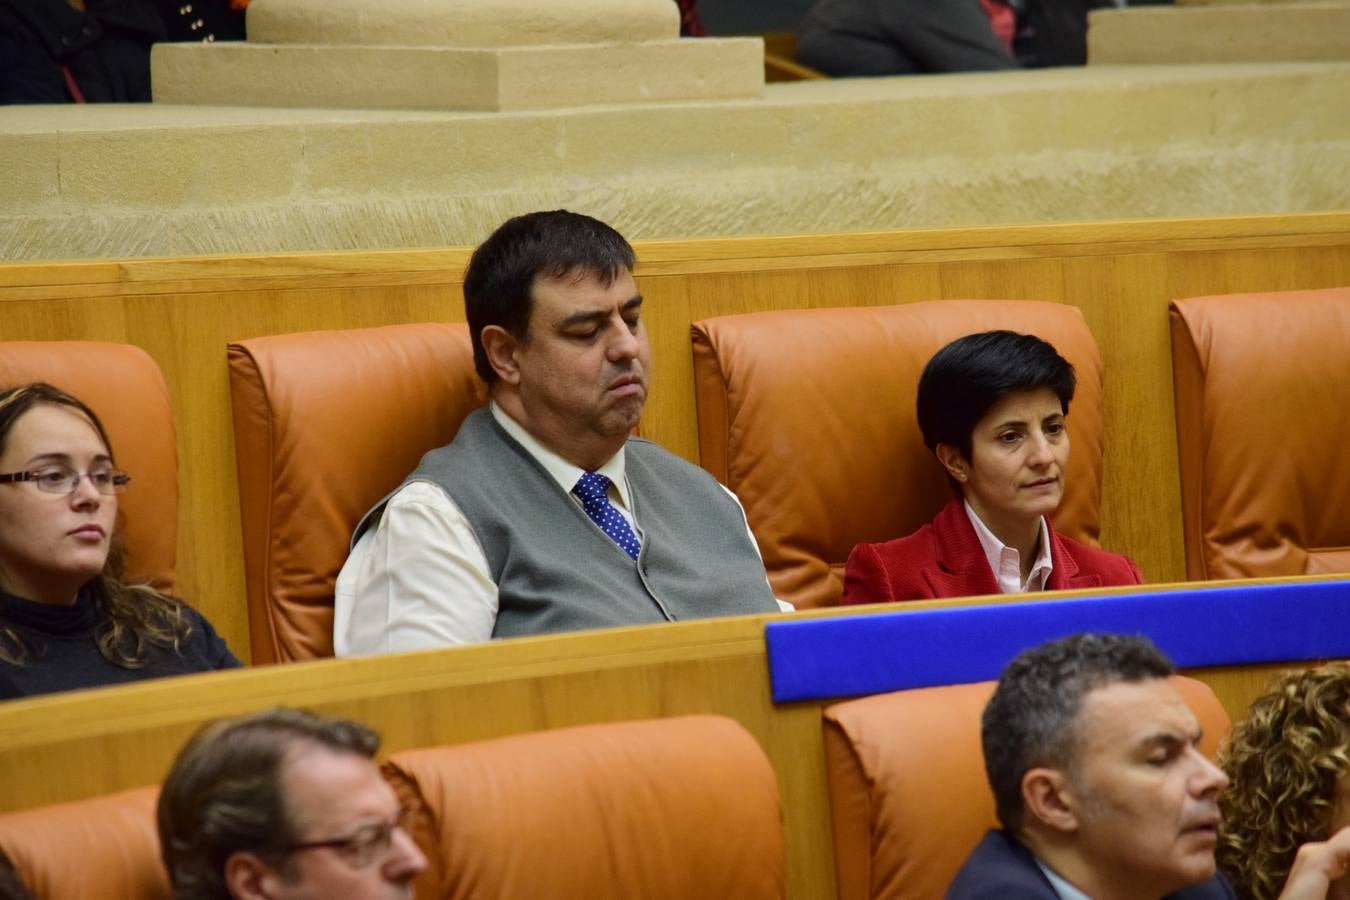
(64, 657)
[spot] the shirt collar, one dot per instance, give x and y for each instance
(1064, 889)
(560, 470)
(995, 551)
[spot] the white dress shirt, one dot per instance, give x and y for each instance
(1006, 563)
(419, 579)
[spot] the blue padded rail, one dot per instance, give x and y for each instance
(814, 659)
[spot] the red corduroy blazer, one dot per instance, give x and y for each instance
(945, 559)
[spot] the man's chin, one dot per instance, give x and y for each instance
(622, 418)
(1199, 866)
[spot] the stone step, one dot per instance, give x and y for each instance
(1221, 32)
(856, 154)
(454, 78)
(482, 55)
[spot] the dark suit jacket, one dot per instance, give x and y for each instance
(945, 559)
(1000, 868)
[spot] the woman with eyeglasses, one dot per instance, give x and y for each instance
(67, 620)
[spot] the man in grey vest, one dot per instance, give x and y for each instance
(544, 514)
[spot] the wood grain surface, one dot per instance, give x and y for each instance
(1122, 275)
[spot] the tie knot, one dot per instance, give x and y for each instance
(592, 486)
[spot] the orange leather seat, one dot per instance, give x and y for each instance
(808, 415)
(1261, 385)
(325, 424)
(909, 798)
(667, 809)
(89, 850)
(124, 387)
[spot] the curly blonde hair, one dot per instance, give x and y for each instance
(1284, 762)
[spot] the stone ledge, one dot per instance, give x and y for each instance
(1252, 32)
(853, 154)
(1174, 181)
(447, 78)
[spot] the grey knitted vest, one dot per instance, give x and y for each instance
(557, 571)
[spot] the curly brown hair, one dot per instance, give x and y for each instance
(1284, 761)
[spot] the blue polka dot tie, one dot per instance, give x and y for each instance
(593, 489)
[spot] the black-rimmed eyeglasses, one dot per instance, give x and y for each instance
(64, 479)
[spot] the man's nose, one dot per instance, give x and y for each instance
(624, 343)
(406, 860)
(1208, 778)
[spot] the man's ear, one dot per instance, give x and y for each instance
(500, 346)
(247, 877)
(1049, 798)
(953, 461)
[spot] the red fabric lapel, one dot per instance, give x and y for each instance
(962, 570)
(1065, 574)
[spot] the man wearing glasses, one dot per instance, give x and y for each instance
(283, 805)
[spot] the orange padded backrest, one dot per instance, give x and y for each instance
(909, 798)
(325, 424)
(808, 415)
(667, 809)
(1262, 382)
(90, 849)
(124, 387)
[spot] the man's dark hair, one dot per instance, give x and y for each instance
(12, 886)
(964, 380)
(1031, 721)
(551, 245)
(224, 794)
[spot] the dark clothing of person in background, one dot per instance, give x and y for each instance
(690, 26)
(844, 38)
(12, 886)
(1053, 32)
(51, 52)
(203, 20)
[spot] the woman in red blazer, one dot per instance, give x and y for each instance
(991, 407)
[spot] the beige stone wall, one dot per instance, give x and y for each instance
(1221, 33)
(1081, 144)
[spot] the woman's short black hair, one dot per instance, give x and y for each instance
(964, 380)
